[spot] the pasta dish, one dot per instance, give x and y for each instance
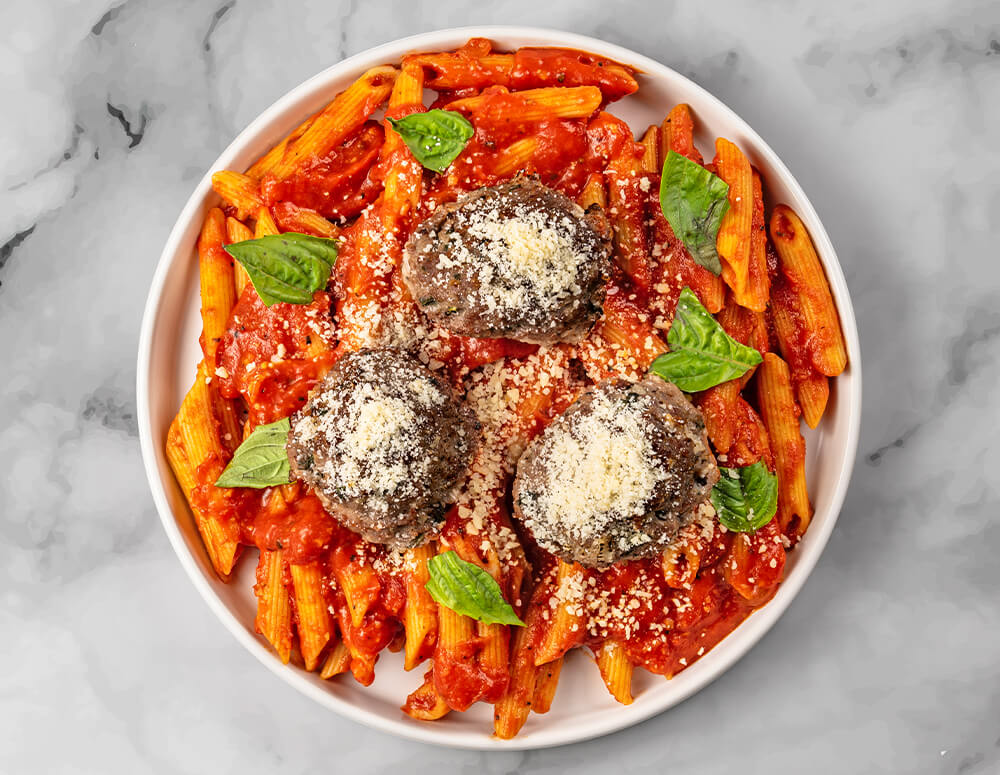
(486, 379)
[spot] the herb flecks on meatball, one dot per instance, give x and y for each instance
(382, 442)
(617, 475)
(519, 261)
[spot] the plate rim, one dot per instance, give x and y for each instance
(735, 646)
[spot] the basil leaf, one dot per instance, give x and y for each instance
(435, 137)
(693, 201)
(701, 353)
(467, 589)
(745, 499)
(261, 460)
(286, 267)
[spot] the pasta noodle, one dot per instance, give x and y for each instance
(780, 416)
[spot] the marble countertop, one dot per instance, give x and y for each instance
(889, 659)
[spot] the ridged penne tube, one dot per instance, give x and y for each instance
(218, 289)
(420, 612)
(193, 440)
(718, 407)
(677, 134)
(758, 282)
(780, 416)
(511, 711)
(228, 413)
(626, 210)
(567, 623)
(337, 661)
(291, 217)
(459, 70)
(811, 387)
(546, 682)
(733, 241)
(541, 104)
(453, 656)
(267, 162)
(616, 670)
(337, 121)
(424, 703)
(593, 192)
(813, 394)
(493, 659)
(274, 607)
(361, 587)
(515, 156)
(239, 191)
(236, 231)
(314, 624)
(403, 181)
(801, 265)
(265, 225)
(651, 150)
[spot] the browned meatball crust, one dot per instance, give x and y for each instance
(518, 260)
(382, 442)
(617, 475)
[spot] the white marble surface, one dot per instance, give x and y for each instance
(888, 114)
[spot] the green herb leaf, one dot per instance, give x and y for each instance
(701, 353)
(467, 589)
(435, 137)
(745, 499)
(693, 201)
(286, 267)
(261, 460)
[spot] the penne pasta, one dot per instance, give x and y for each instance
(239, 191)
(360, 586)
(335, 123)
(269, 160)
(274, 607)
(516, 156)
(734, 240)
(511, 711)
(811, 387)
(425, 703)
(218, 289)
(616, 670)
(651, 150)
(337, 661)
(265, 225)
(626, 208)
(546, 682)
(535, 104)
(677, 134)
(801, 265)
(290, 217)
(313, 621)
(420, 613)
(193, 443)
(567, 618)
(593, 192)
(758, 282)
(236, 231)
(453, 655)
(780, 416)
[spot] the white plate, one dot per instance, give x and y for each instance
(168, 354)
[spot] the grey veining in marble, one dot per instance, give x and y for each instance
(888, 114)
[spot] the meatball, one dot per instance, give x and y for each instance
(518, 260)
(617, 475)
(382, 442)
